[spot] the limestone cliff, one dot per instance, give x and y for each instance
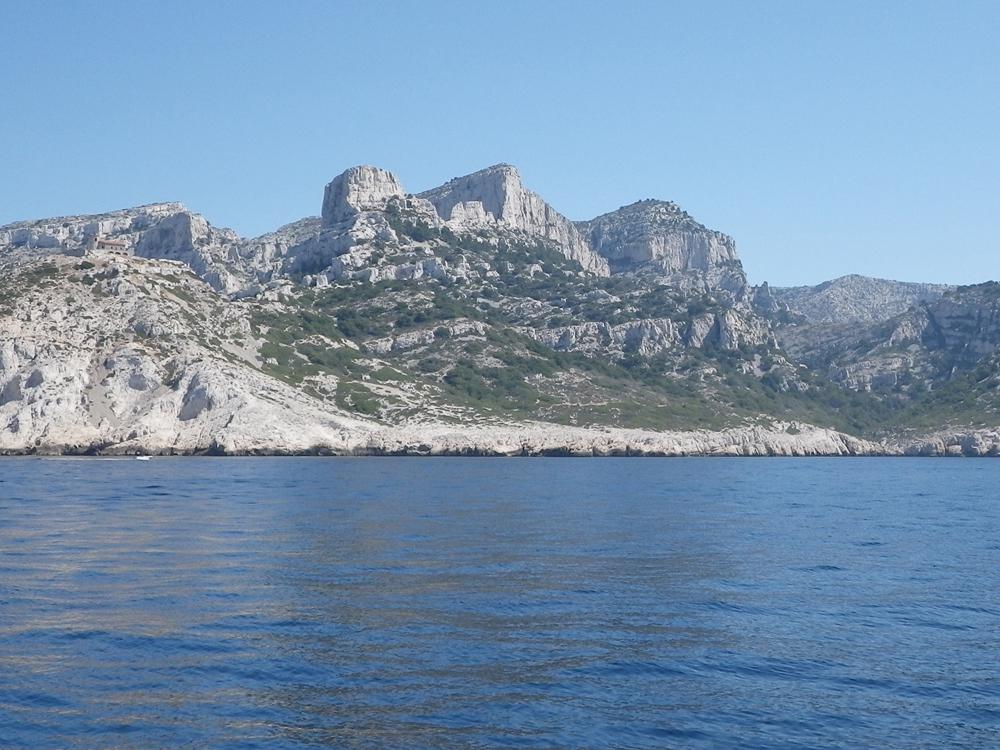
(659, 236)
(498, 192)
(919, 350)
(357, 190)
(159, 230)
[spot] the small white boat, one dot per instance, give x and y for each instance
(143, 458)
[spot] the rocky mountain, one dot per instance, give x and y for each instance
(914, 352)
(495, 196)
(471, 318)
(659, 238)
(855, 299)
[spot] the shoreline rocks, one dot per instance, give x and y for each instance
(530, 439)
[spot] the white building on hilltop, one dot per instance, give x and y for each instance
(98, 245)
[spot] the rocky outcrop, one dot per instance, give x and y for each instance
(412, 339)
(648, 337)
(779, 439)
(73, 234)
(645, 337)
(965, 323)
(973, 443)
(365, 207)
(353, 220)
(500, 194)
(356, 190)
(130, 355)
(213, 254)
(658, 235)
(855, 299)
(917, 350)
(267, 257)
(159, 230)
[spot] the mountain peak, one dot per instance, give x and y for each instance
(501, 168)
(857, 299)
(357, 189)
(492, 186)
(662, 236)
(502, 195)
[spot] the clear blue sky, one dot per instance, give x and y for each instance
(827, 138)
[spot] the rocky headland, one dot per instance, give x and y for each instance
(472, 318)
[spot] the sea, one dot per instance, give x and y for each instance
(499, 603)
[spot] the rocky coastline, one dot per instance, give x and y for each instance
(776, 440)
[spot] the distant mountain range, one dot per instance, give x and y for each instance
(471, 318)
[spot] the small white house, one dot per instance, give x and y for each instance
(98, 245)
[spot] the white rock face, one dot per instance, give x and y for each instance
(73, 233)
(780, 439)
(354, 225)
(267, 256)
(411, 339)
(661, 234)
(159, 230)
(503, 197)
(650, 336)
(856, 299)
(108, 357)
(354, 214)
(736, 328)
(942, 332)
(469, 216)
(212, 253)
(125, 354)
(984, 442)
(358, 189)
(646, 337)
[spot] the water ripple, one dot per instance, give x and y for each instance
(478, 603)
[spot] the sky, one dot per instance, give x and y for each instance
(826, 138)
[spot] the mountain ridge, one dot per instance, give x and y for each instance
(474, 309)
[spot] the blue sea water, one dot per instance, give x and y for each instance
(490, 603)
